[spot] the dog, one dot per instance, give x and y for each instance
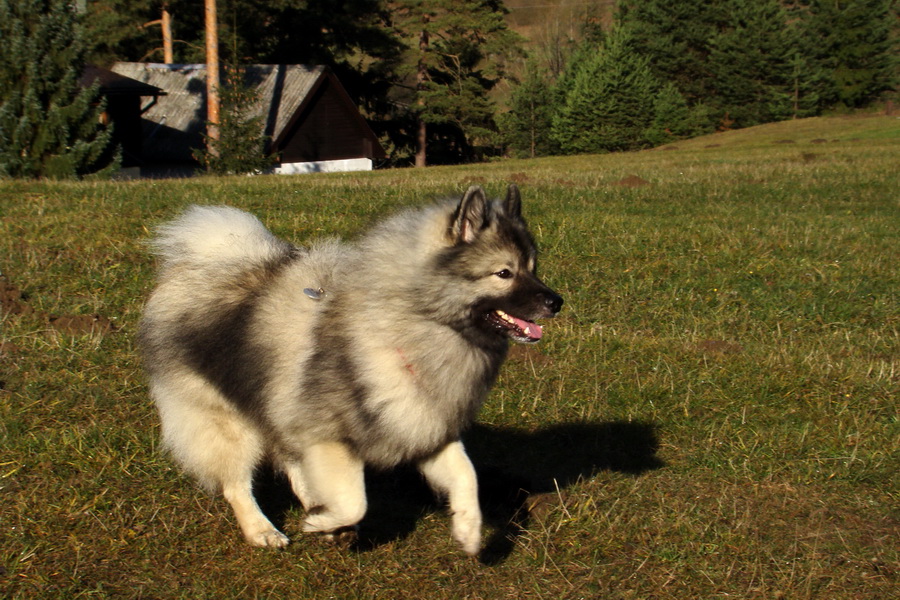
(326, 359)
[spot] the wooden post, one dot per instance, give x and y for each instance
(212, 76)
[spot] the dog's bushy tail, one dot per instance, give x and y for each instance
(216, 236)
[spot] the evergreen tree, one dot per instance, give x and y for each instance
(49, 124)
(852, 42)
(610, 104)
(583, 52)
(456, 54)
(751, 63)
(674, 120)
(116, 30)
(671, 115)
(240, 148)
(526, 127)
(675, 36)
(807, 79)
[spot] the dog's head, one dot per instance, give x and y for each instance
(493, 256)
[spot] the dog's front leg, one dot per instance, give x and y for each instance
(450, 473)
(333, 486)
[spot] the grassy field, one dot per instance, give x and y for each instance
(713, 415)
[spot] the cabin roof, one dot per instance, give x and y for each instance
(284, 92)
(112, 83)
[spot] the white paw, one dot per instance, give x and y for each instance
(270, 538)
(467, 531)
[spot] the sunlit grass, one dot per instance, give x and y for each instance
(714, 414)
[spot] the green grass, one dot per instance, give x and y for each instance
(713, 415)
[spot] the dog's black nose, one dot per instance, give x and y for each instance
(552, 301)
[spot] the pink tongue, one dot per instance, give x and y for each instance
(533, 330)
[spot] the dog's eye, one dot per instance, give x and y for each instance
(504, 274)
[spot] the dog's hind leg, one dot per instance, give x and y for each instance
(218, 445)
(236, 480)
(450, 473)
(258, 530)
(335, 487)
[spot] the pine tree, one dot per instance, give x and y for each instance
(116, 30)
(807, 79)
(583, 52)
(851, 41)
(49, 125)
(240, 147)
(456, 53)
(673, 119)
(675, 36)
(526, 127)
(751, 63)
(611, 101)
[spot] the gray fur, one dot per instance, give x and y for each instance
(388, 363)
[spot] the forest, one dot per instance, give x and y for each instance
(453, 80)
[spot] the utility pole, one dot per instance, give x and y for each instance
(212, 77)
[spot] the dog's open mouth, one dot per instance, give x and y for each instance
(517, 329)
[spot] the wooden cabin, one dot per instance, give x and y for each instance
(310, 120)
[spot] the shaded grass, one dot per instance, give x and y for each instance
(714, 413)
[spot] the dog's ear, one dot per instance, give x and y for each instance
(512, 206)
(471, 216)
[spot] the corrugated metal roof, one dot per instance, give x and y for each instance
(282, 89)
(116, 83)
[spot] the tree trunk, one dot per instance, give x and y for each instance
(421, 76)
(166, 23)
(421, 135)
(212, 77)
(533, 123)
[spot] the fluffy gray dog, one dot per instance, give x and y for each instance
(325, 359)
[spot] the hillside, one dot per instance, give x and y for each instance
(540, 20)
(823, 131)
